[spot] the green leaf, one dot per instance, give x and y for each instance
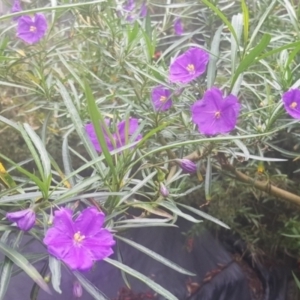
(156, 256)
(89, 287)
(250, 58)
(95, 118)
(296, 280)
(173, 208)
(246, 21)
(156, 287)
(204, 215)
(5, 277)
(32, 150)
(79, 125)
(55, 269)
(222, 17)
(260, 23)
(237, 23)
(137, 187)
(25, 265)
(208, 179)
(277, 50)
(213, 58)
(51, 8)
(34, 178)
(43, 154)
(34, 293)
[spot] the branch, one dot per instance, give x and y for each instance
(264, 186)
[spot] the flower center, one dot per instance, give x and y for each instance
(217, 114)
(32, 29)
(191, 68)
(293, 105)
(78, 238)
(162, 98)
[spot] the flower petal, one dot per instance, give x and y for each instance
(58, 244)
(77, 258)
(63, 220)
(100, 245)
(89, 222)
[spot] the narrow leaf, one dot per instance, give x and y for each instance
(173, 208)
(246, 21)
(89, 287)
(250, 58)
(204, 215)
(95, 118)
(5, 277)
(156, 287)
(213, 58)
(156, 256)
(222, 17)
(41, 150)
(55, 268)
(208, 179)
(25, 265)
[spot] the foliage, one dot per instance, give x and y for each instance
(95, 64)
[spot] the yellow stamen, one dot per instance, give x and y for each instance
(191, 68)
(293, 105)
(78, 238)
(32, 29)
(217, 114)
(162, 98)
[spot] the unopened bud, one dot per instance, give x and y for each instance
(187, 165)
(160, 175)
(77, 289)
(163, 190)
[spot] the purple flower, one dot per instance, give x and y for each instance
(32, 30)
(129, 5)
(16, 8)
(77, 289)
(163, 190)
(178, 27)
(161, 98)
(291, 102)
(214, 114)
(125, 129)
(188, 66)
(144, 10)
(187, 165)
(25, 219)
(81, 242)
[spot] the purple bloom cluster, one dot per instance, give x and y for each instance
(125, 129)
(81, 242)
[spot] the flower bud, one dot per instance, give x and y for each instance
(163, 190)
(77, 289)
(187, 165)
(160, 175)
(25, 219)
